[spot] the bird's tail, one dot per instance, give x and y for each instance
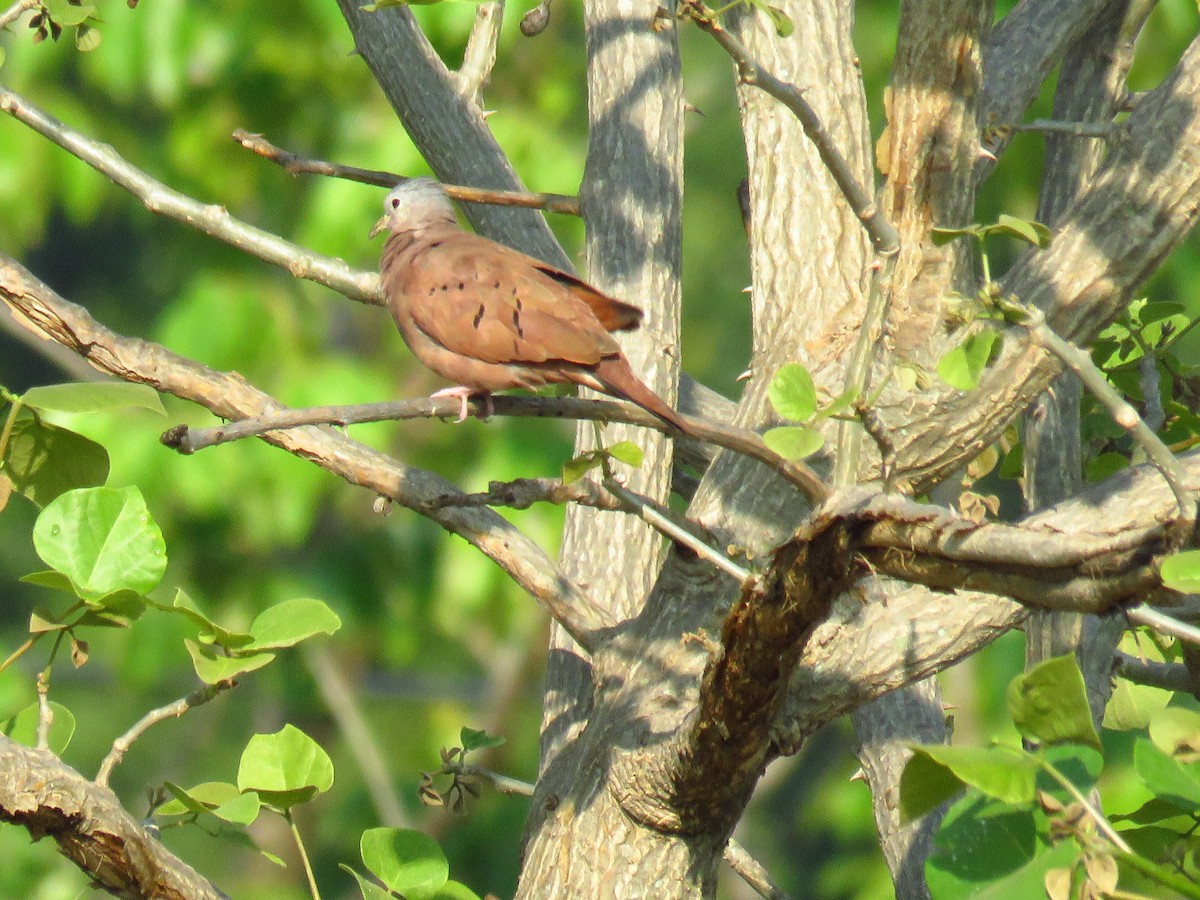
(617, 378)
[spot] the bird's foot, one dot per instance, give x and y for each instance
(464, 393)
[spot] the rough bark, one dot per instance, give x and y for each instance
(50, 799)
(1091, 88)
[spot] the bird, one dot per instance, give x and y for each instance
(490, 318)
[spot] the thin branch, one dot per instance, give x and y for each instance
(1164, 624)
(230, 396)
(1168, 676)
(299, 165)
(1080, 362)
(502, 783)
(480, 55)
(522, 493)
(741, 440)
(1105, 826)
(662, 520)
(211, 219)
(121, 745)
(14, 12)
(45, 710)
(1102, 130)
(753, 872)
(884, 236)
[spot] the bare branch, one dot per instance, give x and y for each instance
(15, 11)
(121, 745)
(662, 520)
(211, 219)
(1168, 676)
(48, 798)
(742, 440)
(1071, 129)
(1024, 47)
(297, 165)
(480, 55)
(502, 783)
(861, 199)
(230, 396)
(753, 872)
(1164, 624)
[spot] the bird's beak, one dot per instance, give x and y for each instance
(378, 226)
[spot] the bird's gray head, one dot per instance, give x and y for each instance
(413, 204)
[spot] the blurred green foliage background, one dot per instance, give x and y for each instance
(435, 636)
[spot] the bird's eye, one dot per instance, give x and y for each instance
(395, 203)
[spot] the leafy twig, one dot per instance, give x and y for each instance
(1079, 362)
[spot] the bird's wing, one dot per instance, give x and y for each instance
(487, 302)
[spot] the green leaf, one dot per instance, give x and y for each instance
(1005, 773)
(408, 862)
(781, 21)
(627, 452)
(926, 784)
(23, 727)
(793, 441)
(455, 890)
(961, 367)
(212, 667)
(943, 236)
(66, 14)
(288, 623)
(1176, 730)
(87, 38)
(1159, 310)
(93, 397)
(285, 768)
(792, 393)
(987, 851)
(1132, 706)
(44, 461)
(50, 579)
(840, 404)
(1181, 571)
(1167, 778)
(477, 740)
(218, 798)
(1105, 465)
(578, 466)
(1027, 230)
(1049, 705)
(103, 539)
(210, 631)
(369, 890)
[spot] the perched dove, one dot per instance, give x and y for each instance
(489, 318)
